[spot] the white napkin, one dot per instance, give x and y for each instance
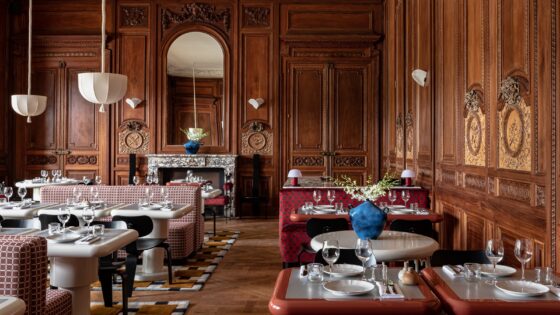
(554, 290)
(88, 240)
(22, 207)
(452, 273)
(397, 294)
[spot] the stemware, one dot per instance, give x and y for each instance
(149, 179)
(405, 195)
(77, 193)
(149, 195)
(59, 174)
(136, 180)
(53, 173)
(44, 175)
(98, 180)
(69, 202)
(331, 252)
(317, 196)
(331, 195)
(85, 180)
(164, 192)
(392, 197)
(363, 252)
(155, 179)
(63, 217)
(8, 192)
(523, 252)
(495, 253)
(22, 191)
(87, 216)
(94, 193)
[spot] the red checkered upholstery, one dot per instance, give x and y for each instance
(131, 194)
(293, 234)
(217, 201)
(23, 273)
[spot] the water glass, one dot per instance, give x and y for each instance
(405, 195)
(315, 272)
(98, 229)
(142, 202)
(523, 252)
(54, 228)
(8, 192)
(392, 197)
(331, 196)
(363, 251)
(538, 278)
(549, 276)
(22, 191)
(495, 253)
(472, 272)
(98, 180)
(309, 206)
(377, 272)
(44, 175)
(339, 207)
(414, 206)
(87, 215)
(331, 252)
(383, 205)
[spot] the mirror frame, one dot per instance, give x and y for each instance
(162, 119)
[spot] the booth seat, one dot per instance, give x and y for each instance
(23, 274)
(186, 234)
(293, 234)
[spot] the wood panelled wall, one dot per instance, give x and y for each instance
(5, 111)
(482, 133)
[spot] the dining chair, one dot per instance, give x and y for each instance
(422, 227)
(45, 219)
(317, 226)
(109, 266)
(347, 256)
(143, 225)
(223, 200)
(443, 257)
(16, 223)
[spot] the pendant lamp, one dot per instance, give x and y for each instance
(27, 104)
(100, 87)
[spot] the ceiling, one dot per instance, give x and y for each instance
(198, 48)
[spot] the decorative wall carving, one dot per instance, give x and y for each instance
(41, 159)
(133, 138)
(512, 90)
(256, 138)
(198, 13)
(448, 177)
(475, 182)
(82, 159)
(134, 16)
(350, 161)
(540, 196)
(409, 122)
(308, 161)
(514, 190)
(475, 128)
(256, 16)
(400, 135)
(491, 186)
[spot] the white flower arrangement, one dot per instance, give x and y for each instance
(194, 134)
(370, 191)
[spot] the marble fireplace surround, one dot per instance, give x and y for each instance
(226, 162)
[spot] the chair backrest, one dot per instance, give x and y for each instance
(319, 226)
(121, 225)
(422, 227)
(457, 257)
(142, 224)
(347, 256)
(15, 223)
(45, 219)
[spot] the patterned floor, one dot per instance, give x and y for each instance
(193, 275)
(144, 308)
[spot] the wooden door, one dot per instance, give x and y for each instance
(352, 124)
(308, 123)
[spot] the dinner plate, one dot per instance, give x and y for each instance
(501, 270)
(63, 238)
(344, 270)
(396, 207)
(324, 207)
(522, 288)
(348, 287)
(153, 206)
(401, 211)
(324, 211)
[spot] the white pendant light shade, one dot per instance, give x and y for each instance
(29, 105)
(102, 88)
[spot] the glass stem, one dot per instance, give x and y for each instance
(364, 271)
(523, 271)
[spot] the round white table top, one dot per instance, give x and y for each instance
(389, 246)
(30, 184)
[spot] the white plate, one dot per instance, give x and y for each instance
(348, 287)
(344, 270)
(153, 206)
(395, 207)
(324, 211)
(63, 238)
(401, 211)
(522, 288)
(323, 207)
(501, 270)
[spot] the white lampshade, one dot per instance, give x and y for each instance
(102, 88)
(29, 105)
(408, 174)
(295, 173)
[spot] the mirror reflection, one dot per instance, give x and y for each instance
(195, 76)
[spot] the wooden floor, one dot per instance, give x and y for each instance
(243, 281)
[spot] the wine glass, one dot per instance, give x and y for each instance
(98, 180)
(164, 192)
(405, 194)
(53, 172)
(63, 217)
(149, 195)
(85, 180)
(44, 175)
(331, 252)
(363, 252)
(523, 252)
(317, 196)
(392, 197)
(94, 193)
(149, 179)
(331, 195)
(22, 191)
(136, 180)
(8, 192)
(495, 253)
(155, 179)
(69, 203)
(87, 216)
(59, 174)
(77, 193)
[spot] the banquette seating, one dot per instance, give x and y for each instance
(185, 235)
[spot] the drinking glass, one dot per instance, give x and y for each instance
(472, 272)
(164, 192)
(149, 195)
(8, 192)
(85, 180)
(98, 180)
(59, 174)
(155, 179)
(317, 196)
(77, 193)
(63, 217)
(149, 179)
(87, 216)
(392, 197)
(405, 194)
(98, 229)
(22, 191)
(363, 252)
(495, 253)
(94, 193)
(53, 228)
(69, 202)
(331, 252)
(44, 175)
(53, 172)
(339, 207)
(523, 252)
(315, 272)
(549, 276)
(136, 180)
(331, 195)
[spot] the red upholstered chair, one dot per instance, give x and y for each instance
(23, 274)
(220, 201)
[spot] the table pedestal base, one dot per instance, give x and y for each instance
(141, 275)
(75, 275)
(152, 260)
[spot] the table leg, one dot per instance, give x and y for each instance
(75, 275)
(152, 260)
(37, 194)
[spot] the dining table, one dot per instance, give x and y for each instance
(36, 185)
(101, 210)
(297, 295)
(74, 266)
(17, 231)
(11, 305)
(461, 297)
(153, 260)
(18, 212)
(389, 246)
(299, 215)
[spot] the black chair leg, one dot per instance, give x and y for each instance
(131, 261)
(214, 215)
(125, 293)
(169, 265)
(106, 280)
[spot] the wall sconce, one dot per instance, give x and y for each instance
(133, 102)
(420, 76)
(256, 103)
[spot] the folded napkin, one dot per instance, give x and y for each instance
(554, 290)
(88, 240)
(453, 271)
(25, 206)
(394, 291)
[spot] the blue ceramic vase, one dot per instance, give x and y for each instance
(368, 221)
(191, 147)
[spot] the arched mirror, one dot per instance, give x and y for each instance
(195, 88)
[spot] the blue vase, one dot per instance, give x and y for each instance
(368, 221)
(191, 147)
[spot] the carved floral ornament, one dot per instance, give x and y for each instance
(256, 16)
(133, 138)
(198, 13)
(256, 139)
(512, 90)
(473, 102)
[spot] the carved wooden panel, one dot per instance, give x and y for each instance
(475, 182)
(256, 138)
(475, 129)
(515, 190)
(83, 123)
(134, 16)
(134, 53)
(81, 159)
(198, 13)
(256, 16)
(400, 129)
(475, 232)
(256, 70)
(41, 134)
